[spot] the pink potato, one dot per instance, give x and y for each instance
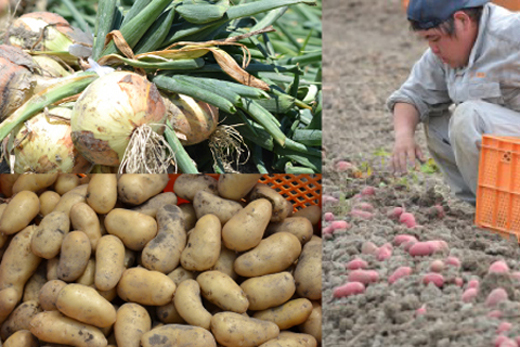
(366, 206)
(453, 261)
(369, 247)
(435, 278)
(328, 230)
(401, 272)
(515, 275)
(408, 245)
(327, 198)
(356, 264)
(348, 289)
(495, 314)
(396, 212)
(459, 282)
(504, 326)
(469, 294)
(496, 296)
(344, 166)
(383, 253)
(499, 339)
(438, 211)
(368, 191)
(507, 342)
(427, 248)
(329, 216)
(408, 219)
(421, 310)
(437, 266)
(473, 284)
(498, 266)
(361, 214)
(363, 276)
(403, 238)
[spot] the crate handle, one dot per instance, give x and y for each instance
(507, 157)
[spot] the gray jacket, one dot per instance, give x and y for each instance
(492, 73)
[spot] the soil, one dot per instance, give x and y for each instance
(368, 53)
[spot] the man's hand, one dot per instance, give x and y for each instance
(404, 154)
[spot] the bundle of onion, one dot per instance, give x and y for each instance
(44, 145)
(111, 112)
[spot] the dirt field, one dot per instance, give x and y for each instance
(368, 52)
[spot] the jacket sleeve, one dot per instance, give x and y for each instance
(425, 88)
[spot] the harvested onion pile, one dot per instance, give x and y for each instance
(198, 74)
(108, 260)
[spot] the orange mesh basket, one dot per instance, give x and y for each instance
(512, 5)
(498, 190)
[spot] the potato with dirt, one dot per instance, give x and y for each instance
(74, 256)
(33, 183)
(20, 318)
(206, 203)
(49, 294)
(223, 291)
(298, 226)
(282, 208)
(286, 316)
(151, 206)
(134, 189)
(84, 218)
(102, 192)
(133, 228)
(187, 185)
(20, 211)
(291, 339)
(203, 246)
(132, 322)
(308, 271)
(233, 329)
(268, 291)
(178, 335)
(71, 198)
(110, 262)
(312, 325)
(236, 186)
(188, 303)
(145, 287)
(22, 338)
(49, 235)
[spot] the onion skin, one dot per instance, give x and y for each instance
(108, 111)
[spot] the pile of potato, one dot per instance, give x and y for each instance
(109, 260)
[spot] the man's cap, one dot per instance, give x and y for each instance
(430, 13)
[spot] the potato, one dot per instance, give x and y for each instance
(49, 235)
(308, 271)
(273, 254)
(281, 207)
(109, 295)
(32, 288)
(87, 278)
(8, 299)
(225, 262)
(188, 303)
(74, 256)
(190, 217)
(52, 326)
(65, 183)
(290, 339)
(84, 218)
(110, 262)
(132, 322)
(269, 291)
(20, 211)
(286, 316)
(203, 247)
(52, 268)
(48, 202)
(71, 198)
(163, 252)
(133, 228)
(22, 338)
(151, 207)
(86, 305)
(180, 274)
(223, 291)
(187, 185)
(178, 335)
(102, 192)
(33, 183)
(19, 263)
(145, 287)
(134, 189)
(312, 325)
(236, 186)
(206, 203)
(299, 226)
(232, 329)
(312, 213)
(246, 228)
(6, 184)
(19, 319)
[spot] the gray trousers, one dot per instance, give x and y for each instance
(454, 141)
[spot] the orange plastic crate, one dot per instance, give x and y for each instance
(512, 5)
(498, 191)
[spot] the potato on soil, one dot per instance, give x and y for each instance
(187, 185)
(178, 335)
(102, 192)
(268, 291)
(132, 322)
(233, 329)
(20, 211)
(134, 189)
(236, 186)
(203, 247)
(282, 208)
(206, 203)
(223, 291)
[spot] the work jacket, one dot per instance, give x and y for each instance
(492, 73)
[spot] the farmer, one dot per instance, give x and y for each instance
(466, 84)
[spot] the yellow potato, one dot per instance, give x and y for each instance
(187, 185)
(102, 192)
(20, 211)
(223, 291)
(134, 189)
(84, 218)
(163, 252)
(190, 217)
(232, 329)
(86, 305)
(273, 254)
(286, 316)
(145, 287)
(180, 274)
(312, 325)
(206, 203)
(290, 339)
(132, 322)
(281, 207)
(225, 262)
(203, 247)
(33, 182)
(8, 299)
(246, 228)
(52, 326)
(32, 288)
(308, 271)
(269, 291)
(188, 303)
(178, 335)
(74, 256)
(110, 262)
(236, 186)
(71, 198)
(52, 268)
(19, 319)
(48, 202)
(47, 240)
(312, 213)
(133, 228)
(168, 314)
(6, 184)
(298, 226)
(151, 207)
(22, 338)
(65, 183)
(109, 295)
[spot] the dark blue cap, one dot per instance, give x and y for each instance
(430, 13)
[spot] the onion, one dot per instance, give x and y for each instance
(44, 145)
(109, 110)
(194, 121)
